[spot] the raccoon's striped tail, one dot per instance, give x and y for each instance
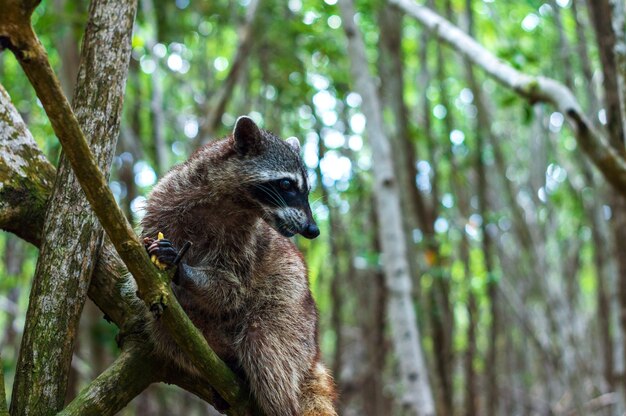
(318, 394)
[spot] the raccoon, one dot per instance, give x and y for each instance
(243, 282)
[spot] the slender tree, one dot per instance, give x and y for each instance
(405, 334)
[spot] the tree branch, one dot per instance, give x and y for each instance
(610, 161)
(130, 374)
(19, 37)
(41, 382)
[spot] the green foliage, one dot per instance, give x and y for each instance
(296, 82)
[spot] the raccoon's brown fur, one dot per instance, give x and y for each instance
(243, 283)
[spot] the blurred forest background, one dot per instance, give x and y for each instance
(514, 239)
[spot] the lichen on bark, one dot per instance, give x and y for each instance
(26, 176)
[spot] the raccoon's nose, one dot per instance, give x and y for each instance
(310, 231)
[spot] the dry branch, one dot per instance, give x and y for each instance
(611, 162)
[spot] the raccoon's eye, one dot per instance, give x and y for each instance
(286, 184)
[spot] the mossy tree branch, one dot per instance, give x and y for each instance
(47, 346)
(17, 34)
(610, 161)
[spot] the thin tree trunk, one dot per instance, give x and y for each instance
(13, 263)
(600, 232)
(602, 20)
(336, 289)
(156, 100)
(217, 104)
(585, 62)
(418, 397)
(373, 326)
(72, 236)
(391, 73)
(619, 50)
(443, 344)
(482, 131)
(601, 17)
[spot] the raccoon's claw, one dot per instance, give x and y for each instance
(162, 253)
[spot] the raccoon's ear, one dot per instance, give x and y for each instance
(294, 143)
(247, 136)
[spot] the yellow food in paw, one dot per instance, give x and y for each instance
(154, 259)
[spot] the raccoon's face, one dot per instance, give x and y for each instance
(276, 179)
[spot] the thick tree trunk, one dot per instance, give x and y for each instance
(401, 314)
(72, 236)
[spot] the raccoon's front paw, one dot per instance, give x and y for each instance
(162, 252)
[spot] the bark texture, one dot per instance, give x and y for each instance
(26, 176)
(401, 314)
(71, 234)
